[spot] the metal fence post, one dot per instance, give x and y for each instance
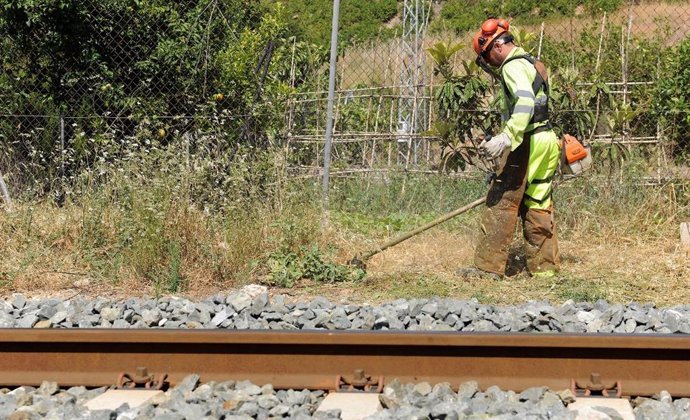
(331, 95)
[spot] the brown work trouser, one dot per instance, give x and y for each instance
(504, 203)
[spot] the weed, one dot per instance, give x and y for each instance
(286, 267)
(578, 290)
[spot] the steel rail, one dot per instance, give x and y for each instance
(643, 364)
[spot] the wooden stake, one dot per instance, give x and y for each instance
(5, 193)
(541, 38)
(685, 236)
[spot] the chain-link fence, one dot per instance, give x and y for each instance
(87, 84)
(610, 63)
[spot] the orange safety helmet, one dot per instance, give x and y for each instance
(491, 29)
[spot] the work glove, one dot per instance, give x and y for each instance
(493, 147)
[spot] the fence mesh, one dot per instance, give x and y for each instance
(606, 67)
(84, 83)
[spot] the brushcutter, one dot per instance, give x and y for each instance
(360, 260)
(575, 160)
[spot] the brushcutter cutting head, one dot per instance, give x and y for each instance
(358, 263)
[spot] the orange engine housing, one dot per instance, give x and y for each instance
(574, 150)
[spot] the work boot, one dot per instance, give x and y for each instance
(467, 272)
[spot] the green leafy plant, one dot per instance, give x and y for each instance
(459, 102)
(287, 267)
(671, 103)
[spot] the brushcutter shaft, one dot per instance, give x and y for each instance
(421, 229)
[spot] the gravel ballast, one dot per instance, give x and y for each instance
(243, 400)
(251, 308)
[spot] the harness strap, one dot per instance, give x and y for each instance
(540, 129)
(543, 181)
(541, 111)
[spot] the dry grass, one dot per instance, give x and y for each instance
(631, 253)
(617, 271)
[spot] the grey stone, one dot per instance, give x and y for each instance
(27, 321)
(168, 416)
(48, 388)
(76, 390)
(444, 410)
(482, 326)
(430, 308)
(188, 384)
(441, 326)
(673, 320)
(586, 317)
(151, 317)
(392, 395)
(241, 322)
(479, 406)
(595, 326)
(424, 388)
(249, 409)
(259, 304)
(58, 317)
(341, 323)
(327, 414)
(18, 301)
(298, 398)
(7, 320)
(47, 311)
(220, 317)
(121, 323)
(320, 302)
(533, 394)
(381, 323)
(193, 411)
(110, 314)
(201, 394)
(272, 316)
(630, 326)
(468, 390)
(239, 301)
(639, 316)
(682, 404)
(279, 410)
(249, 388)
(267, 402)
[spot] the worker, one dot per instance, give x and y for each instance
(529, 150)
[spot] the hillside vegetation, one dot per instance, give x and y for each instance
(362, 20)
(359, 19)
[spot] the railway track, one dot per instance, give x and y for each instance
(626, 365)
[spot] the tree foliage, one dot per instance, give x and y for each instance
(126, 75)
(672, 98)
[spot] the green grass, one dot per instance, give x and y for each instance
(579, 290)
(141, 232)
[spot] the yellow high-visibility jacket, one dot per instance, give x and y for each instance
(517, 110)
